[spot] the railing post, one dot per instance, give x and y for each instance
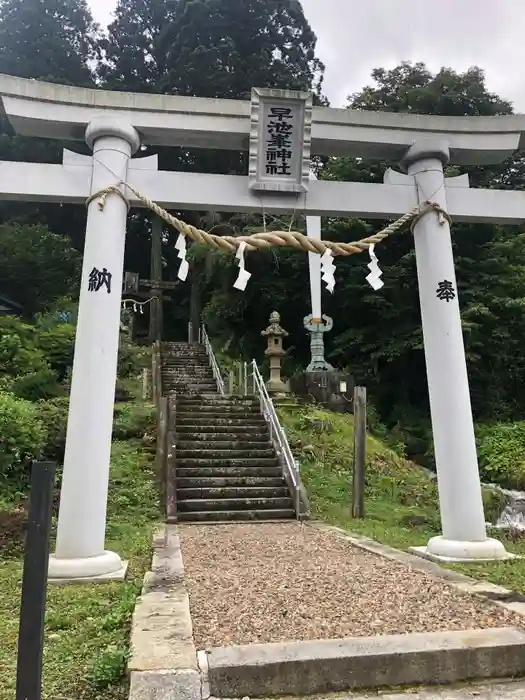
(358, 479)
(246, 379)
(189, 331)
(34, 583)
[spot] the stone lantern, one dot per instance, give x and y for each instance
(275, 352)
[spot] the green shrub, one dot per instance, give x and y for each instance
(133, 421)
(131, 358)
(53, 415)
(501, 452)
(22, 437)
(19, 353)
(58, 346)
(39, 385)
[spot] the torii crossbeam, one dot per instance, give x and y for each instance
(115, 124)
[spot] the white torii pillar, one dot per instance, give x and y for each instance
(80, 552)
(464, 535)
(314, 322)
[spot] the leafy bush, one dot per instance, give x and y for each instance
(131, 358)
(19, 353)
(58, 346)
(501, 452)
(133, 420)
(38, 385)
(53, 415)
(22, 437)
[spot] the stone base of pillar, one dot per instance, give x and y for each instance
(277, 388)
(104, 567)
(439, 549)
(319, 365)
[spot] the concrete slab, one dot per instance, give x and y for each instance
(165, 685)
(119, 575)
(422, 552)
(161, 631)
(303, 668)
(509, 690)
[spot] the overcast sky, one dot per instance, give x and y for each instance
(355, 36)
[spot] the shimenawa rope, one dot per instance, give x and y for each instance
(269, 239)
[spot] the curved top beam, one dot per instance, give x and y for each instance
(37, 108)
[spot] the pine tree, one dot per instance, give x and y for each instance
(211, 48)
(53, 40)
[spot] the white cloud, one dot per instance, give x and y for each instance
(356, 36)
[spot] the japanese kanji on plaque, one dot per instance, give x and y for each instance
(280, 140)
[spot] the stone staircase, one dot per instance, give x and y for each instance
(226, 466)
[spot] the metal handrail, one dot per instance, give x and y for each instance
(277, 435)
(213, 361)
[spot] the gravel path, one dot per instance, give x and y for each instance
(256, 583)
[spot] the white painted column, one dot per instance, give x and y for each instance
(463, 522)
(82, 518)
(313, 229)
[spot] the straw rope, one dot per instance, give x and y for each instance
(270, 239)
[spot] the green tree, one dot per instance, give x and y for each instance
(37, 266)
(211, 48)
(53, 40)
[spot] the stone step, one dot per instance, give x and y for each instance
(232, 492)
(237, 515)
(219, 482)
(191, 401)
(191, 438)
(186, 368)
(209, 409)
(185, 361)
(228, 462)
(227, 424)
(220, 472)
(221, 444)
(229, 504)
(214, 453)
(190, 387)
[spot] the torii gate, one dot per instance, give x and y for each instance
(115, 124)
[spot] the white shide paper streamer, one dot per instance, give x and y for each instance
(374, 278)
(244, 275)
(180, 245)
(328, 270)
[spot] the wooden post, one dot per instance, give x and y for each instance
(240, 378)
(154, 387)
(358, 479)
(162, 448)
(232, 382)
(145, 384)
(155, 314)
(34, 583)
(171, 470)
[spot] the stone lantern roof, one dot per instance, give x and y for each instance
(275, 326)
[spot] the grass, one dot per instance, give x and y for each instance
(401, 500)
(87, 627)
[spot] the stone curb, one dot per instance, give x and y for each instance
(163, 662)
(497, 595)
(306, 668)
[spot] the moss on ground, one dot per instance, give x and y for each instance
(401, 498)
